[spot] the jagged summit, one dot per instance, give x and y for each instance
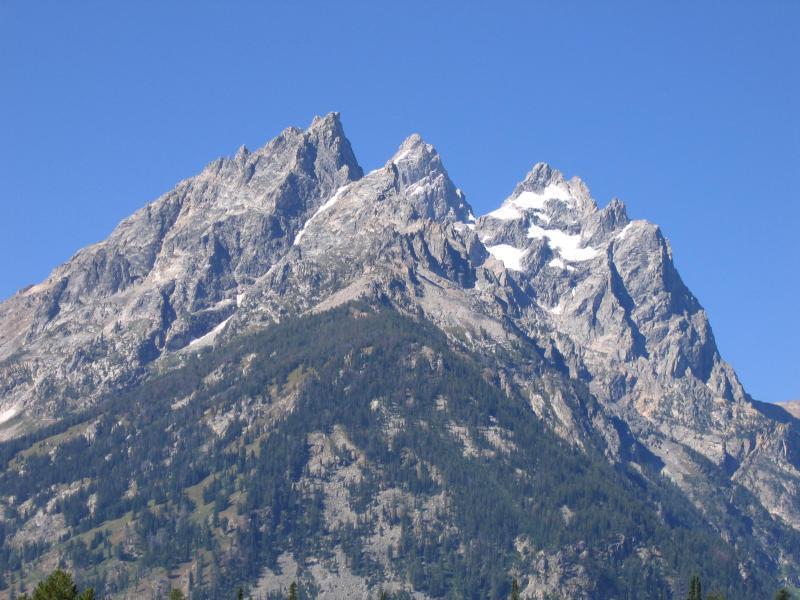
(426, 183)
(415, 160)
(577, 312)
(413, 145)
(332, 120)
(540, 176)
(545, 194)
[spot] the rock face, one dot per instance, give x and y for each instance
(620, 356)
(167, 275)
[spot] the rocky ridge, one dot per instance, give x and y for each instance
(623, 355)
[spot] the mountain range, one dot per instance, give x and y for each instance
(286, 369)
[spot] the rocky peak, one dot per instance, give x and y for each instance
(318, 157)
(425, 183)
(603, 223)
(327, 132)
(548, 220)
(416, 159)
(539, 177)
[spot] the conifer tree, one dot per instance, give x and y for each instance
(695, 589)
(293, 591)
(59, 586)
(514, 590)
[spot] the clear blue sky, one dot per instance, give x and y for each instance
(688, 111)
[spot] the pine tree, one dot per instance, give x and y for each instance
(176, 595)
(783, 594)
(59, 586)
(293, 591)
(514, 590)
(201, 567)
(695, 589)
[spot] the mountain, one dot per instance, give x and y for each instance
(286, 369)
(792, 407)
(171, 272)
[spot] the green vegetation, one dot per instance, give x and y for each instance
(59, 586)
(695, 589)
(204, 470)
(696, 592)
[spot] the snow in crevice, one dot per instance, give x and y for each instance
(553, 310)
(398, 157)
(421, 187)
(510, 256)
(208, 338)
(567, 245)
(333, 200)
(624, 232)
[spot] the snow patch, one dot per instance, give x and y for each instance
(568, 246)
(506, 212)
(333, 200)
(208, 338)
(510, 257)
(8, 414)
(537, 201)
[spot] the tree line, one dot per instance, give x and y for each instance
(60, 585)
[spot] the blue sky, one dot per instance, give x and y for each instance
(688, 111)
